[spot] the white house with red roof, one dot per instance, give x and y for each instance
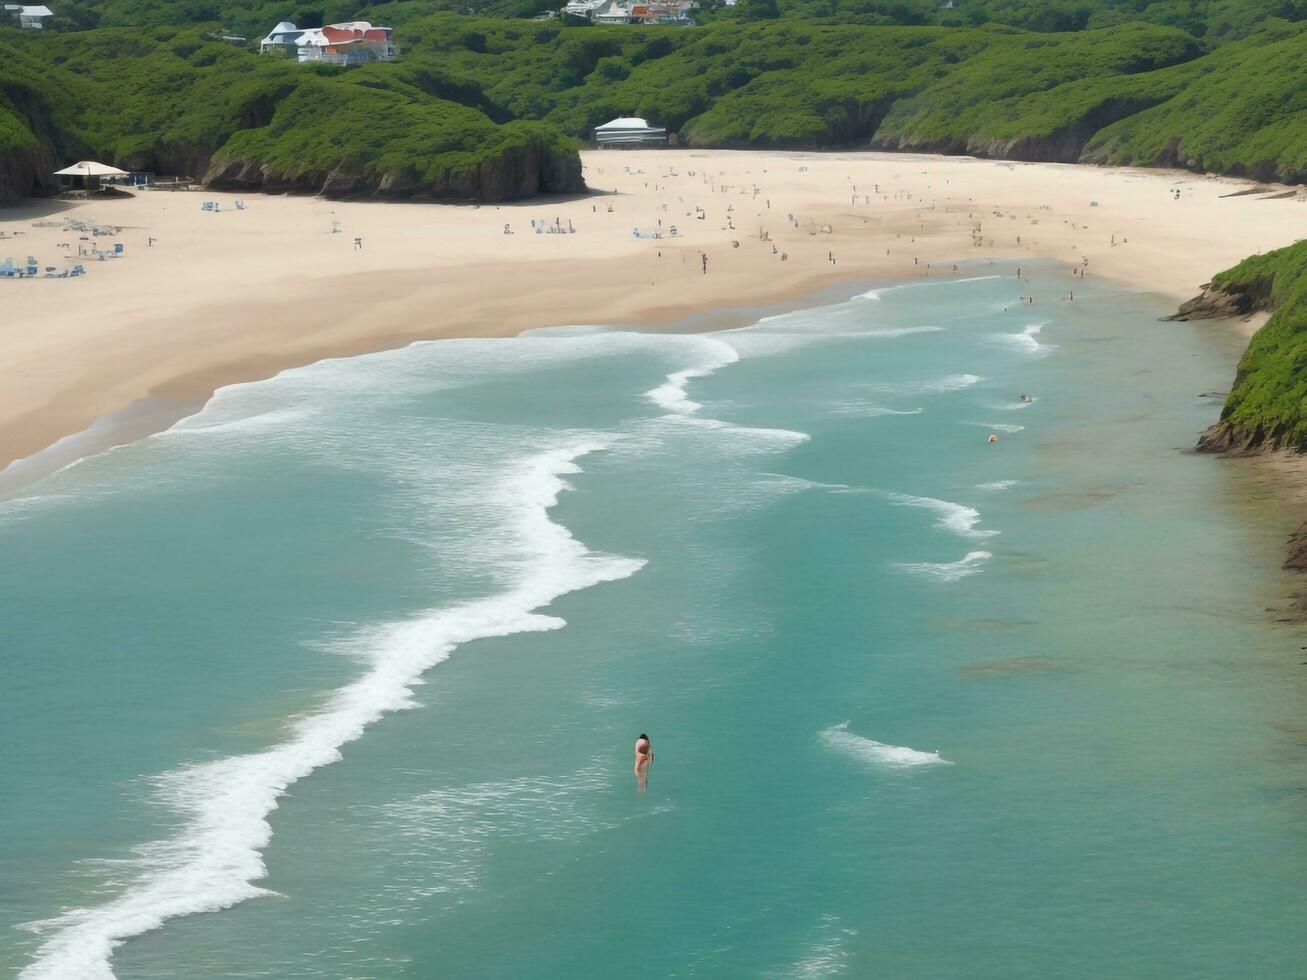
(354, 42)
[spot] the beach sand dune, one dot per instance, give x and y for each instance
(202, 299)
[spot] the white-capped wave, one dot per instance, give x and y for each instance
(958, 518)
(879, 754)
(950, 382)
(948, 571)
(213, 861)
(763, 339)
(1027, 339)
(878, 293)
(1012, 406)
(998, 426)
(671, 394)
(861, 409)
(997, 485)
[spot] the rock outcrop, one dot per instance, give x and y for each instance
(1215, 304)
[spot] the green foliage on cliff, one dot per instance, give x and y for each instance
(172, 101)
(1268, 404)
(787, 83)
(1240, 110)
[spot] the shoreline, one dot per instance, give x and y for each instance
(200, 300)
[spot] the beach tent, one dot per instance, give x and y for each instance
(90, 172)
(629, 131)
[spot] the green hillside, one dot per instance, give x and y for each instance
(171, 101)
(1213, 21)
(491, 106)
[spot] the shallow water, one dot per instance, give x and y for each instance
(922, 706)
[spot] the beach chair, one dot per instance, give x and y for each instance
(7, 270)
(117, 248)
(78, 270)
(240, 205)
(33, 267)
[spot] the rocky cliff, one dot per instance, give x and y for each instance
(517, 172)
(1267, 406)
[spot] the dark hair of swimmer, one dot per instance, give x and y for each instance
(644, 736)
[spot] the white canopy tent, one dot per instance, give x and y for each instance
(90, 172)
(629, 131)
(89, 168)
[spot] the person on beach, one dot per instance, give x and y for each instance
(643, 760)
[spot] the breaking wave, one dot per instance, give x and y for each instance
(878, 754)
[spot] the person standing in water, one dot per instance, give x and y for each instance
(643, 760)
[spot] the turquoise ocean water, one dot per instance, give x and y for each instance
(341, 676)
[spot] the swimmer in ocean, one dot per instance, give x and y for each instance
(643, 760)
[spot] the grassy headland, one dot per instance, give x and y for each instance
(1267, 407)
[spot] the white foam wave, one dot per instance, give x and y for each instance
(997, 485)
(754, 434)
(875, 294)
(763, 341)
(213, 861)
(1027, 339)
(671, 395)
(950, 382)
(949, 571)
(998, 426)
(958, 518)
(1015, 406)
(862, 409)
(879, 754)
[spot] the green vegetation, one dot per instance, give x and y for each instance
(172, 101)
(1213, 21)
(490, 106)
(1268, 405)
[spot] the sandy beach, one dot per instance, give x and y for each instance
(200, 299)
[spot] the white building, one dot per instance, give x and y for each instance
(629, 131)
(581, 10)
(354, 42)
(281, 39)
(31, 18)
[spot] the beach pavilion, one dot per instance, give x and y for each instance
(91, 173)
(630, 131)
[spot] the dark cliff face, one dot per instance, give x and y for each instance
(28, 162)
(20, 175)
(519, 172)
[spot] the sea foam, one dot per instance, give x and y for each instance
(949, 571)
(958, 518)
(879, 754)
(1026, 340)
(875, 294)
(950, 382)
(673, 397)
(212, 862)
